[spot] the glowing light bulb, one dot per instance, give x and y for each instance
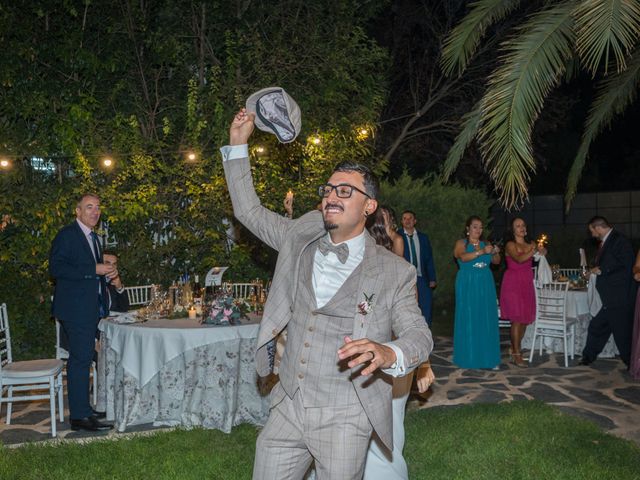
(107, 162)
(191, 156)
(4, 163)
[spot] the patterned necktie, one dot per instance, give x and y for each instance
(341, 251)
(102, 283)
(96, 247)
(412, 247)
(598, 253)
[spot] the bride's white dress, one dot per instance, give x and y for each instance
(382, 464)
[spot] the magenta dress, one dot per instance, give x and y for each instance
(634, 368)
(517, 296)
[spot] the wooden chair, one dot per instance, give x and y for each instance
(139, 296)
(241, 290)
(551, 318)
(28, 376)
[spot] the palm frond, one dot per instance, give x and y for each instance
(470, 124)
(532, 65)
(604, 27)
(463, 40)
(614, 95)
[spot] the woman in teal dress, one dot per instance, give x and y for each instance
(476, 339)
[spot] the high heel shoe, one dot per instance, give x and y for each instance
(517, 360)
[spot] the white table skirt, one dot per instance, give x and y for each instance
(178, 372)
(577, 307)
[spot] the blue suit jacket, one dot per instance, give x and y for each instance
(73, 267)
(427, 266)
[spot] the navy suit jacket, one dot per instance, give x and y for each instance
(615, 283)
(427, 266)
(73, 267)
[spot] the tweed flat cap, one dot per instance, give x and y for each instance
(276, 112)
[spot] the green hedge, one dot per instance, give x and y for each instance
(441, 213)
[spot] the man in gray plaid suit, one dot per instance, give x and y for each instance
(341, 299)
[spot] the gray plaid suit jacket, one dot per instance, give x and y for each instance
(390, 278)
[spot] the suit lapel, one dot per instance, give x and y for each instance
(83, 241)
(371, 282)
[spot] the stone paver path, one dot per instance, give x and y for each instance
(603, 393)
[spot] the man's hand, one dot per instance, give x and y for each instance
(114, 279)
(241, 127)
(596, 270)
(366, 351)
(104, 269)
(288, 204)
(424, 377)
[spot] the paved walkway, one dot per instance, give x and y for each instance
(603, 393)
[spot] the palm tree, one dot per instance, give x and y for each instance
(551, 45)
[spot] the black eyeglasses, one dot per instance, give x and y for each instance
(344, 190)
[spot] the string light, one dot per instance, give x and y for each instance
(191, 157)
(259, 149)
(315, 140)
(107, 162)
(4, 163)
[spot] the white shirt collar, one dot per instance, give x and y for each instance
(86, 230)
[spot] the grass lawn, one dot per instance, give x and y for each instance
(520, 440)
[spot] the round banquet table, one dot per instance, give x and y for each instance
(577, 307)
(179, 372)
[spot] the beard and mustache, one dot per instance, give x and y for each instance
(328, 225)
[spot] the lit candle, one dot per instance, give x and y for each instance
(192, 313)
(542, 240)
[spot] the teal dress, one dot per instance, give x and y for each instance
(476, 339)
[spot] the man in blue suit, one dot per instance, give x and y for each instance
(80, 299)
(417, 250)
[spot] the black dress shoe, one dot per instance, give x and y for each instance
(90, 424)
(99, 415)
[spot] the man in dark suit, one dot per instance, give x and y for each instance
(80, 299)
(417, 251)
(615, 285)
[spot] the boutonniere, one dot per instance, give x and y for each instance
(366, 306)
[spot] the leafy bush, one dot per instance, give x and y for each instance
(441, 212)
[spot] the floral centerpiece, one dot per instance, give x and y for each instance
(225, 310)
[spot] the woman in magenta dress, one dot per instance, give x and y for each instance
(517, 294)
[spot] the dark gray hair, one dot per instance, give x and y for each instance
(371, 185)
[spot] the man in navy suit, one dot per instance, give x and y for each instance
(617, 290)
(80, 299)
(417, 250)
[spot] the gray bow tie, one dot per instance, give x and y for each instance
(341, 251)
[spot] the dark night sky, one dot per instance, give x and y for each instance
(613, 162)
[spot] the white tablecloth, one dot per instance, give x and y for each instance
(577, 307)
(178, 372)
